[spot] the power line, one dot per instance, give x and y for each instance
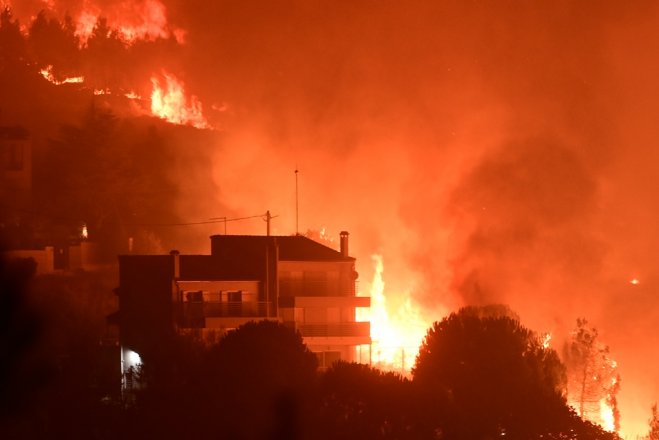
(212, 220)
(205, 222)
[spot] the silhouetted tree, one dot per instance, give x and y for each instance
(19, 331)
(12, 43)
(357, 402)
(50, 369)
(592, 376)
(490, 376)
(256, 383)
(109, 174)
(265, 372)
(653, 433)
(54, 43)
(103, 53)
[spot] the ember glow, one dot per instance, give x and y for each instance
(47, 73)
(169, 102)
(546, 339)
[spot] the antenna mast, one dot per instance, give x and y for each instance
(297, 231)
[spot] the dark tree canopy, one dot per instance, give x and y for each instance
(115, 175)
(54, 43)
(490, 376)
(255, 383)
(361, 402)
(12, 43)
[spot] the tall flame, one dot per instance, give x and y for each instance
(607, 417)
(132, 20)
(169, 103)
(396, 336)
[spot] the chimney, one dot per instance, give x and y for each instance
(344, 243)
(177, 263)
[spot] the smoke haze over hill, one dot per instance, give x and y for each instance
(500, 152)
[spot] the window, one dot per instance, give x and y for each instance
(196, 296)
(15, 157)
(235, 296)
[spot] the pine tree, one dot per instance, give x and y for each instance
(653, 434)
(593, 380)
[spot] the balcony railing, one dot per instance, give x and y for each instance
(288, 287)
(193, 314)
(244, 309)
(339, 329)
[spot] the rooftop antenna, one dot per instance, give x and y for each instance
(297, 231)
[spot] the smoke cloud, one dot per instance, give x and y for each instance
(501, 152)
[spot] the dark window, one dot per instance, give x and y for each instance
(15, 157)
(197, 296)
(235, 296)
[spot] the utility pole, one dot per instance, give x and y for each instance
(267, 219)
(297, 231)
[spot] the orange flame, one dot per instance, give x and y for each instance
(396, 336)
(133, 20)
(606, 416)
(47, 73)
(169, 103)
(546, 339)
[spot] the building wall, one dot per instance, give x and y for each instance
(319, 300)
(218, 304)
(201, 295)
(145, 303)
(45, 258)
(15, 168)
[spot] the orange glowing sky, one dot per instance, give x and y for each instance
(486, 152)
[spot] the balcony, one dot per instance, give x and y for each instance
(288, 288)
(195, 314)
(325, 301)
(338, 329)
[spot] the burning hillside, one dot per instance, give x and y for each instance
(482, 153)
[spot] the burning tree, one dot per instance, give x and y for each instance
(593, 381)
(653, 434)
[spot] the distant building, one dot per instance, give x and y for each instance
(15, 167)
(293, 279)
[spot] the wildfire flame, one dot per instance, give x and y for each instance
(132, 20)
(47, 73)
(169, 103)
(396, 336)
(546, 339)
(606, 416)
